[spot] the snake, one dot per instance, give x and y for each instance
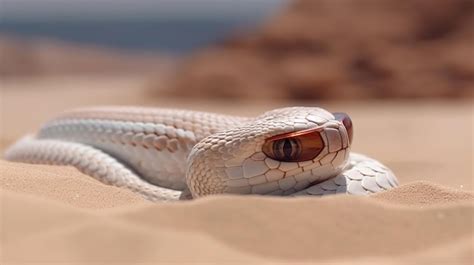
(175, 154)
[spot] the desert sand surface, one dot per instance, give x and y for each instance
(229, 229)
(53, 214)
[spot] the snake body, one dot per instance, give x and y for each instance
(168, 154)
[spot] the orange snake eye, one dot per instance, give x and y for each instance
(295, 146)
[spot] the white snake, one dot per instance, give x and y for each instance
(168, 154)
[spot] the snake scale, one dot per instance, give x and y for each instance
(171, 154)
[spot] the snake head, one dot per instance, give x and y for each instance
(278, 153)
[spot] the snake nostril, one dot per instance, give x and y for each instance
(347, 122)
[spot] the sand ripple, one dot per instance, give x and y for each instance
(55, 214)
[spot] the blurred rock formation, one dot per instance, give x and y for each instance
(40, 57)
(345, 49)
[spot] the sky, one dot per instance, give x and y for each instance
(107, 9)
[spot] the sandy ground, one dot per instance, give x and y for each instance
(56, 214)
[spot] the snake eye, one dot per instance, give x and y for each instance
(295, 146)
(287, 149)
(347, 122)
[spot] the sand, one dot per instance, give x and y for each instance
(53, 214)
(394, 226)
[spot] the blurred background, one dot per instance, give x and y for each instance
(404, 70)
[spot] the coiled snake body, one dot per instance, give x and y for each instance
(167, 154)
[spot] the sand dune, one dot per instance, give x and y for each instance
(424, 193)
(64, 184)
(53, 213)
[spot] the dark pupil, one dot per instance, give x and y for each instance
(287, 149)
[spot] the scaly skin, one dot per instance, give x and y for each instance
(161, 152)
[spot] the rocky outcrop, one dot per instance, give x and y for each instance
(325, 49)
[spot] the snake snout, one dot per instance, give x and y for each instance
(347, 122)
